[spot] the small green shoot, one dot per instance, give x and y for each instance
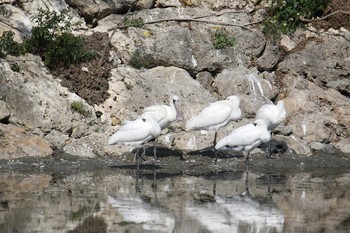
(222, 40)
(134, 22)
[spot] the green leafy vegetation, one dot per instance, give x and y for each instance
(134, 22)
(284, 15)
(78, 106)
(139, 60)
(222, 40)
(9, 46)
(52, 39)
(15, 67)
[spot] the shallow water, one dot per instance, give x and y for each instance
(124, 200)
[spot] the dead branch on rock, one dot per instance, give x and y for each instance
(305, 20)
(220, 13)
(244, 26)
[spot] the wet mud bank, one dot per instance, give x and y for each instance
(172, 163)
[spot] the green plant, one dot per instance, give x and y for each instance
(284, 15)
(139, 60)
(15, 67)
(9, 46)
(51, 39)
(134, 22)
(78, 106)
(66, 49)
(221, 39)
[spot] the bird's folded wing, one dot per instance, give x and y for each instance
(214, 114)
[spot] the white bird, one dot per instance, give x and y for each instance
(216, 116)
(136, 132)
(273, 115)
(246, 138)
(164, 115)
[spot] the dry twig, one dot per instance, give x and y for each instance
(303, 19)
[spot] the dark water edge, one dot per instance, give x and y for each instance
(172, 164)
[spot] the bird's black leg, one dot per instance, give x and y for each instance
(247, 158)
(215, 151)
(155, 152)
(138, 184)
(137, 154)
(143, 153)
(247, 180)
(268, 148)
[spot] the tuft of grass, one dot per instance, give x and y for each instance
(222, 40)
(138, 60)
(284, 15)
(78, 106)
(134, 22)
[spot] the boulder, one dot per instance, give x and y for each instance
(316, 114)
(15, 142)
(182, 44)
(322, 59)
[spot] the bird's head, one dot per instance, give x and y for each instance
(235, 99)
(175, 100)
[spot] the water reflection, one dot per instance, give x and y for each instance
(150, 201)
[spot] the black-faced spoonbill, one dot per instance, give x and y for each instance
(136, 132)
(246, 138)
(216, 116)
(164, 115)
(273, 115)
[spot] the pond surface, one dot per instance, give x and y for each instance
(35, 197)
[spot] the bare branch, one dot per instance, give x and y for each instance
(303, 19)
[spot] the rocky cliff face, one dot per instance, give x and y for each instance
(310, 70)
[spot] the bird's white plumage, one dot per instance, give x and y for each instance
(164, 114)
(136, 132)
(216, 115)
(246, 137)
(272, 114)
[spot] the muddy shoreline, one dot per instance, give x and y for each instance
(172, 164)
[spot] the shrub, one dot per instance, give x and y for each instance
(66, 49)
(9, 46)
(221, 39)
(51, 39)
(284, 15)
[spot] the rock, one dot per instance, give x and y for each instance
(35, 99)
(254, 91)
(185, 42)
(287, 43)
(316, 115)
(323, 60)
(205, 79)
(160, 59)
(4, 112)
(270, 57)
(15, 143)
(92, 11)
(12, 17)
